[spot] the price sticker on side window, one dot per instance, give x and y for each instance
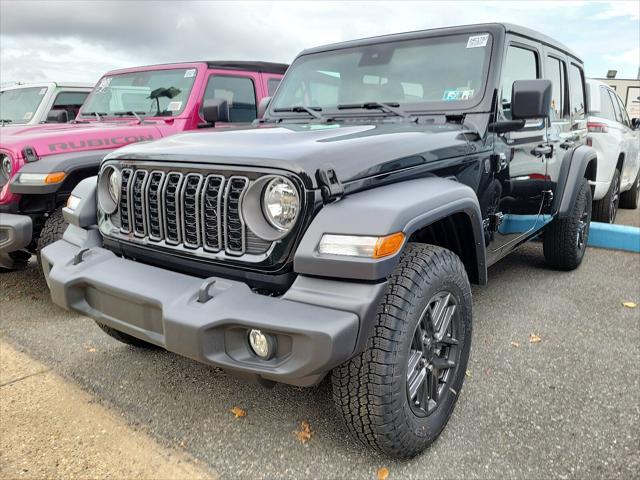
(478, 41)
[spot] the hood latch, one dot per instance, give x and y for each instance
(330, 187)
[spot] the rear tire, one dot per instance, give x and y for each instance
(631, 197)
(565, 240)
(606, 209)
(125, 338)
(399, 393)
(52, 230)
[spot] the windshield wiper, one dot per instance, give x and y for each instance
(98, 115)
(130, 113)
(313, 111)
(6, 121)
(385, 107)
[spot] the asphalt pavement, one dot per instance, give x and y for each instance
(567, 406)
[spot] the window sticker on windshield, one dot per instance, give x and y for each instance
(28, 115)
(190, 73)
(104, 84)
(174, 106)
(459, 94)
(42, 91)
(478, 41)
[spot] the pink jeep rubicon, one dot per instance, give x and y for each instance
(40, 165)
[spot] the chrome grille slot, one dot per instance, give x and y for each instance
(211, 213)
(170, 202)
(125, 219)
(137, 203)
(190, 209)
(154, 205)
(234, 225)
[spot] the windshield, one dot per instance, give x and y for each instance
(437, 73)
(20, 104)
(155, 93)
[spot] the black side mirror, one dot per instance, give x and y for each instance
(635, 123)
(215, 110)
(530, 99)
(57, 116)
(263, 105)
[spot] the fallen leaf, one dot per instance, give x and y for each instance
(238, 412)
(467, 373)
(515, 344)
(304, 434)
(383, 473)
(533, 338)
(630, 304)
(89, 348)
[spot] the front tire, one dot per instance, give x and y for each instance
(399, 393)
(631, 197)
(52, 230)
(606, 209)
(565, 240)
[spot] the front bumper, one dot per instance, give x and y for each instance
(15, 234)
(162, 307)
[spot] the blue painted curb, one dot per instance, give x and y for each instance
(602, 235)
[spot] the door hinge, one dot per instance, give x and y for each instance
(498, 162)
(330, 187)
(493, 221)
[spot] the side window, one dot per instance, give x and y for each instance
(606, 107)
(616, 108)
(240, 94)
(520, 64)
(557, 73)
(272, 84)
(70, 101)
(623, 110)
(576, 90)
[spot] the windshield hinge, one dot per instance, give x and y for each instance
(330, 187)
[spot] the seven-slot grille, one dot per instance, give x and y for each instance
(187, 209)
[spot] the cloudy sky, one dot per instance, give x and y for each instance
(80, 40)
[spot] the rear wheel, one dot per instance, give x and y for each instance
(606, 209)
(125, 338)
(631, 197)
(399, 393)
(565, 240)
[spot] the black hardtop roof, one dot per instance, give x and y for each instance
(265, 67)
(479, 27)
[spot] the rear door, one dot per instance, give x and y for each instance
(630, 142)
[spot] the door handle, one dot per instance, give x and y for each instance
(567, 144)
(543, 151)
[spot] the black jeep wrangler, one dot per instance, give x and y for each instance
(340, 234)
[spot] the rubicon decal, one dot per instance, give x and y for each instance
(98, 142)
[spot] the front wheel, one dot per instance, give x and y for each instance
(565, 240)
(399, 393)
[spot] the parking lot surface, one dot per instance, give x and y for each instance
(566, 406)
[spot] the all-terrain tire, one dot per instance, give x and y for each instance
(606, 209)
(565, 240)
(52, 230)
(125, 338)
(631, 197)
(371, 390)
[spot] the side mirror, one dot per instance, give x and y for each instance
(263, 105)
(635, 123)
(57, 116)
(530, 99)
(215, 110)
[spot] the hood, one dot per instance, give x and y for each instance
(353, 151)
(50, 139)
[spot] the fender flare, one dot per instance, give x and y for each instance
(577, 164)
(76, 165)
(400, 207)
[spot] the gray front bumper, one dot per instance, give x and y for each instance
(162, 307)
(15, 234)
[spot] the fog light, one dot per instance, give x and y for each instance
(263, 345)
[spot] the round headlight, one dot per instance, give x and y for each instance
(280, 203)
(6, 167)
(109, 189)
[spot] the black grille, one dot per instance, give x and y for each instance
(233, 221)
(125, 225)
(211, 212)
(154, 205)
(137, 201)
(170, 197)
(191, 210)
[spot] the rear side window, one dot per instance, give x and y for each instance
(616, 107)
(623, 110)
(520, 64)
(240, 94)
(557, 73)
(606, 107)
(576, 90)
(71, 102)
(272, 84)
